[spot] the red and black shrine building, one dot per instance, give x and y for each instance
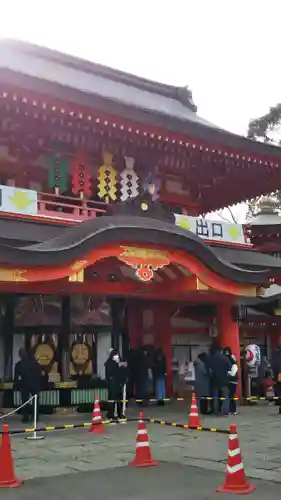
(105, 180)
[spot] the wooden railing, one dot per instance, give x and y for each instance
(65, 207)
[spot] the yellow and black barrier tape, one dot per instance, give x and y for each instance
(186, 426)
(87, 425)
(209, 398)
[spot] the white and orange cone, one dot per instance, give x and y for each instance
(97, 421)
(193, 420)
(143, 456)
(7, 474)
(235, 479)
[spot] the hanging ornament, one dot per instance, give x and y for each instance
(58, 172)
(107, 179)
(81, 177)
(152, 186)
(129, 180)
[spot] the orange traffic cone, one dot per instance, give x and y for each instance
(7, 475)
(235, 480)
(193, 420)
(143, 456)
(97, 422)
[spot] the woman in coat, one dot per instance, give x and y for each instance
(202, 382)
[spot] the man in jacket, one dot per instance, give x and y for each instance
(220, 366)
(27, 380)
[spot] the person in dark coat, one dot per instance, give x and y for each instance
(202, 382)
(276, 369)
(114, 375)
(220, 366)
(233, 376)
(143, 366)
(159, 376)
(27, 380)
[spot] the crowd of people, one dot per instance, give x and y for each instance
(144, 375)
(216, 376)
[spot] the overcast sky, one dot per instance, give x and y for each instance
(226, 51)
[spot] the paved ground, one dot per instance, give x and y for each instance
(74, 451)
(157, 483)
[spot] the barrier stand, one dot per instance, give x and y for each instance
(35, 437)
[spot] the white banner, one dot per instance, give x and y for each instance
(212, 230)
(18, 201)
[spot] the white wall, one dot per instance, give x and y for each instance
(103, 346)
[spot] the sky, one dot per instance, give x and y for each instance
(227, 52)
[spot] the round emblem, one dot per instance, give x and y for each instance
(44, 354)
(80, 354)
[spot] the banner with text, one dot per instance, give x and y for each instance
(212, 230)
(18, 201)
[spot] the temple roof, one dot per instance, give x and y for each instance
(136, 221)
(74, 80)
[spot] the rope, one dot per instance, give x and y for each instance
(17, 409)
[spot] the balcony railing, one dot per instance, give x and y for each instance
(65, 207)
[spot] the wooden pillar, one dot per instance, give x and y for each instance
(63, 340)
(163, 337)
(229, 335)
(8, 331)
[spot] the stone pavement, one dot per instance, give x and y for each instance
(158, 483)
(70, 451)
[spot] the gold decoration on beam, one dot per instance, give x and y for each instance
(201, 286)
(13, 275)
(77, 277)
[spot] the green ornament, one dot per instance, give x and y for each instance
(58, 172)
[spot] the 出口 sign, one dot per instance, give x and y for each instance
(212, 230)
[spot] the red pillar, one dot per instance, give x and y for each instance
(229, 335)
(275, 340)
(163, 338)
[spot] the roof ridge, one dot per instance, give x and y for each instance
(181, 94)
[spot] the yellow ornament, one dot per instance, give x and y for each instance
(107, 179)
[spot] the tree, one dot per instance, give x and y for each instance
(267, 129)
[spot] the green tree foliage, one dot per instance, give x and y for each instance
(267, 129)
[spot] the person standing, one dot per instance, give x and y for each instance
(202, 382)
(233, 380)
(220, 366)
(28, 381)
(159, 376)
(114, 378)
(276, 368)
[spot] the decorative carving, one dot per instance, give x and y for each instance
(144, 260)
(78, 275)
